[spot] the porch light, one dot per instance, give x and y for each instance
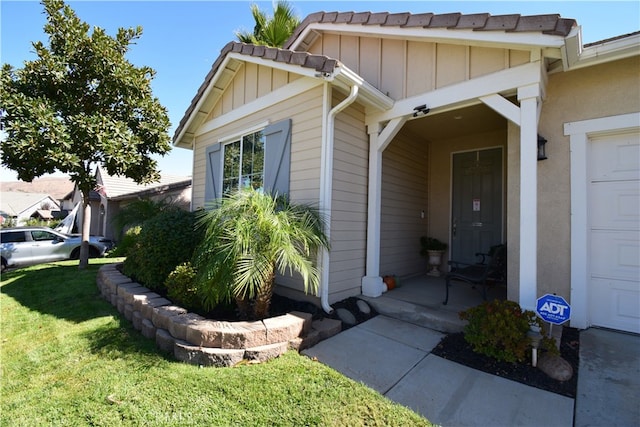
(541, 151)
(421, 109)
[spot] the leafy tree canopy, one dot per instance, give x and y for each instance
(80, 104)
(273, 30)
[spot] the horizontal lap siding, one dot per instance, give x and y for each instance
(349, 204)
(305, 110)
(404, 197)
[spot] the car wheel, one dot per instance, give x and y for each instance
(4, 264)
(75, 254)
(93, 252)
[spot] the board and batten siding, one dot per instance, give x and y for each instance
(404, 68)
(404, 199)
(349, 203)
(251, 82)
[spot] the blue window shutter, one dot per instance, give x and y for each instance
(213, 173)
(277, 161)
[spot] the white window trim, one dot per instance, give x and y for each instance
(580, 133)
(246, 131)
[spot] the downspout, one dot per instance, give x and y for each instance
(326, 184)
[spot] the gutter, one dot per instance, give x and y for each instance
(326, 185)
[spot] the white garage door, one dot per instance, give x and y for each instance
(614, 232)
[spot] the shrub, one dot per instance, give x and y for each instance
(499, 329)
(127, 242)
(181, 287)
(165, 241)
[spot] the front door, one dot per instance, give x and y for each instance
(477, 203)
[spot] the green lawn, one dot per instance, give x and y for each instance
(69, 358)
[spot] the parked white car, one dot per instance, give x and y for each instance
(23, 246)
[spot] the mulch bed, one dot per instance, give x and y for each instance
(454, 347)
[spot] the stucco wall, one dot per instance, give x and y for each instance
(600, 91)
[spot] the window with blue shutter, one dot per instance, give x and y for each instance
(260, 159)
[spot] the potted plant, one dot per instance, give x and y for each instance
(433, 249)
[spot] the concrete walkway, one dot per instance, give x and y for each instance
(394, 357)
(609, 379)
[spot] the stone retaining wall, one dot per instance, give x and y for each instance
(193, 339)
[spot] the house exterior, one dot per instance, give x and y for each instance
(404, 125)
(21, 206)
(114, 192)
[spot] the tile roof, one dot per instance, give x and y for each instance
(551, 24)
(15, 203)
(115, 186)
(547, 24)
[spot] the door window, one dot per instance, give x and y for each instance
(42, 235)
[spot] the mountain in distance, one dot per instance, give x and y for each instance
(56, 187)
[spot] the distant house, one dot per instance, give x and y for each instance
(403, 125)
(114, 192)
(22, 206)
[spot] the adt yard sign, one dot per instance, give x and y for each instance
(553, 308)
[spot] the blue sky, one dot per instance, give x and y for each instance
(181, 40)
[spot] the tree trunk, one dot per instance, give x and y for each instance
(263, 299)
(86, 231)
(244, 307)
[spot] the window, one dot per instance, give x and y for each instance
(244, 163)
(13, 237)
(260, 159)
(40, 235)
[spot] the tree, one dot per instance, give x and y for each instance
(271, 30)
(248, 237)
(81, 104)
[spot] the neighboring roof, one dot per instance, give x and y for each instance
(117, 186)
(611, 39)
(43, 214)
(551, 24)
(15, 203)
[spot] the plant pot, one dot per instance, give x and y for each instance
(435, 259)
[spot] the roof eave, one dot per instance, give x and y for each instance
(368, 95)
(606, 51)
(503, 39)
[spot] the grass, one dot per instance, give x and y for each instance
(69, 358)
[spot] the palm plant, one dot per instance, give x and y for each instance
(271, 31)
(250, 236)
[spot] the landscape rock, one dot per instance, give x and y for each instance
(265, 352)
(346, 316)
(555, 367)
(363, 307)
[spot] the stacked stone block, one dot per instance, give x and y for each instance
(199, 341)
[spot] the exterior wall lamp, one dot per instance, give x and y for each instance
(542, 155)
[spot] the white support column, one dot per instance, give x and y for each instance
(372, 285)
(528, 97)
